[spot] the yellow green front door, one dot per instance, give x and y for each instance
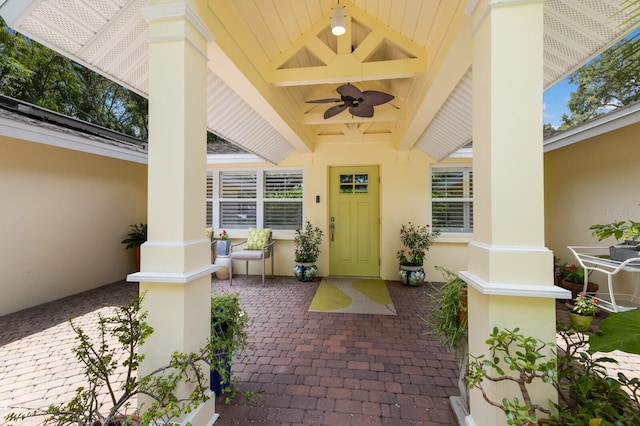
(354, 221)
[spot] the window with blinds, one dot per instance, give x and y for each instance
(452, 199)
(238, 199)
(283, 200)
(261, 198)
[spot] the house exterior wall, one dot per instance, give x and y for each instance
(404, 196)
(587, 183)
(63, 214)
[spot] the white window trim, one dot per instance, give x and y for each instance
(450, 237)
(243, 232)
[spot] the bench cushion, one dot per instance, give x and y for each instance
(247, 255)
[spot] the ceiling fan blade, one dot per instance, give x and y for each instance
(323, 101)
(334, 110)
(373, 97)
(362, 110)
(349, 90)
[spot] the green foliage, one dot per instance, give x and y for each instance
(607, 82)
(622, 230)
(307, 243)
(33, 73)
(103, 361)
(417, 239)
(229, 338)
(137, 236)
(619, 331)
(445, 319)
(585, 305)
(528, 359)
(571, 273)
(586, 392)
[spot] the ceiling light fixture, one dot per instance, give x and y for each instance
(338, 20)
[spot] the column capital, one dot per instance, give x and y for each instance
(180, 9)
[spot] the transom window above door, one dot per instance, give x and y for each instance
(240, 199)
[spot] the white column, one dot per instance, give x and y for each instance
(176, 262)
(510, 271)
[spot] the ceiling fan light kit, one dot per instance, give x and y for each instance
(338, 20)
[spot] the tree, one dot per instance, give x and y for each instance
(33, 73)
(608, 82)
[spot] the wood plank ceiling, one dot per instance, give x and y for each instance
(270, 56)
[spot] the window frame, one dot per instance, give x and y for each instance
(214, 200)
(467, 198)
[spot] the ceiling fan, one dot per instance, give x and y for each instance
(359, 103)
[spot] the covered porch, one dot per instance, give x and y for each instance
(247, 73)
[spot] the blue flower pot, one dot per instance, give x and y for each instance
(216, 382)
(305, 271)
(223, 247)
(412, 276)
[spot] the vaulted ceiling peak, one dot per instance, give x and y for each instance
(367, 51)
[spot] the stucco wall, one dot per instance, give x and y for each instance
(404, 196)
(63, 214)
(591, 182)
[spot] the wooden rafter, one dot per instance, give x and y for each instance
(345, 65)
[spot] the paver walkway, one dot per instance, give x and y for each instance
(306, 367)
(340, 369)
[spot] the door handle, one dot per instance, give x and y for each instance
(332, 228)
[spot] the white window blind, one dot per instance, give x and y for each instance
(283, 200)
(238, 192)
(256, 198)
(452, 199)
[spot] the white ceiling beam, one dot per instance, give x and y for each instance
(348, 68)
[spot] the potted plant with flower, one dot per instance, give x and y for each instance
(307, 242)
(584, 309)
(223, 244)
(571, 277)
(417, 239)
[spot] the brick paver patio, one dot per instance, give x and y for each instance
(306, 367)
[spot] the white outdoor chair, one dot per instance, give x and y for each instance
(259, 246)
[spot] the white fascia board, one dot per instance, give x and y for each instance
(607, 123)
(462, 153)
(233, 158)
(33, 133)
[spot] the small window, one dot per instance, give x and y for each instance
(358, 183)
(452, 199)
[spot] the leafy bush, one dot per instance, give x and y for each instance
(103, 361)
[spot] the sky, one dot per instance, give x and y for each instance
(555, 102)
(555, 98)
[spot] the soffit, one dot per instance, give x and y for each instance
(286, 53)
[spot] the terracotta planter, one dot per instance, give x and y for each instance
(136, 256)
(463, 316)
